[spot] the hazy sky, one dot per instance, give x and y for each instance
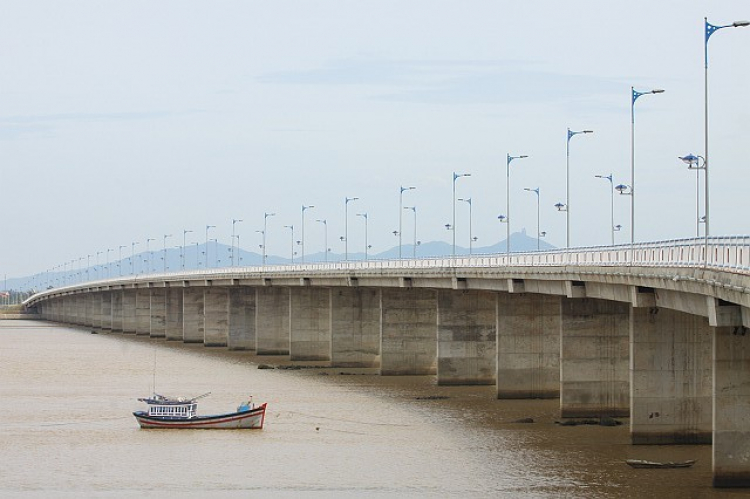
(121, 121)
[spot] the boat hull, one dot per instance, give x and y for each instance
(246, 420)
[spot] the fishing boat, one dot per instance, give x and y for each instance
(181, 413)
(640, 463)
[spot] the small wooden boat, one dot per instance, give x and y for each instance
(640, 463)
(181, 413)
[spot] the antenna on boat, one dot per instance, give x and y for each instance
(154, 374)
(200, 396)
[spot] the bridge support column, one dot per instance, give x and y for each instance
(216, 316)
(173, 308)
(272, 321)
(106, 310)
(128, 311)
(192, 315)
(158, 313)
(241, 318)
(466, 337)
(88, 307)
(528, 346)
(94, 310)
(143, 311)
(80, 309)
(670, 375)
(117, 310)
(408, 331)
(731, 406)
(594, 373)
(355, 327)
(309, 323)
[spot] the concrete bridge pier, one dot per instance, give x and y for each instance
(106, 310)
(93, 308)
(173, 325)
(241, 318)
(594, 358)
(128, 311)
(408, 331)
(731, 395)
(158, 313)
(528, 346)
(216, 316)
(466, 337)
(355, 327)
(272, 320)
(117, 310)
(192, 315)
(671, 377)
(143, 311)
(310, 323)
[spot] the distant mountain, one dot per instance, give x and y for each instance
(220, 255)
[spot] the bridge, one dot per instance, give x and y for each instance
(656, 332)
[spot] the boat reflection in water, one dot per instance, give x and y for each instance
(181, 413)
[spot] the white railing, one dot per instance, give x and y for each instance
(726, 253)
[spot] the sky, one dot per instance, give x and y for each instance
(122, 121)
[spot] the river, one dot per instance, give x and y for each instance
(67, 431)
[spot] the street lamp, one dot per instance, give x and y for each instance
(346, 227)
(108, 272)
(400, 214)
(364, 216)
(571, 134)
(506, 218)
(234, 221)
(165, 250)
(148, 254)
(208, 227)
(291, 229)
(696, 163)
(119, 262)
(634, 96)
(132, 260)
(304, 208)
(471, 245)
(265, 231)
(611, 204)
(452, 227)
(710, 29)
(538, 231)
(184, 234)
(414, 248)
(325, 235)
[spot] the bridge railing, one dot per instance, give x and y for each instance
(725, 253)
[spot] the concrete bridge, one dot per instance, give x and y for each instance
(655, 332)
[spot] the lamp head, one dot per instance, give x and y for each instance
(740, 24)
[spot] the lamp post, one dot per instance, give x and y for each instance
(566, 208)
(696, 163)
(148, 253)
(414, 248)
(208, 227)
(611, 205)
(265, 231)
(119, 261)
(471, 239)
(132, 260)
(184, 234)
(291, 229)
(325, 235)
(302, 241)
(108, 271)
(710, 29)
(400, 214)
(364, 216)
(234, 221)
(165, 250)
(506, 218)
(634, 96)
(452, 228)
(346, 227)
(538, 228)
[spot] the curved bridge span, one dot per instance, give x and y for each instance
(655, 332)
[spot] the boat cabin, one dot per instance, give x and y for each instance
(177, 411)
